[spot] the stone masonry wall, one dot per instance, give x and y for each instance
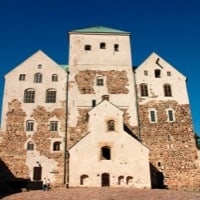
(12, 149)
(172, 145)
(13, 152)
(116, 81)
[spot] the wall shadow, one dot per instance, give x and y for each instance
(9, 184)
(157, 178)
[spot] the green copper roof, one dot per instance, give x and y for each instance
(99, 29)
(65, 67)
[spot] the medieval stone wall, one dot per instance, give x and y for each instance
(172, 146)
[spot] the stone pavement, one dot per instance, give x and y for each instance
(104, 193)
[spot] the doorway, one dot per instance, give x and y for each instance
(105, 180)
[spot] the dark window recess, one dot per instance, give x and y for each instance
(102, 45)
(87, 47)
(157, 73)
(105, 153)
(93, 103)
(116, 47)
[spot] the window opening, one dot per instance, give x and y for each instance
(111, 125)
(105, 153)
(116, 47)
(170, 115)
(29, 96)
(167, 90)
(30, 146)
(120, 180)
(99, 82)
(54, 78)
(157, 73)
(102, 45)
(87, 47)
(56, 146)
(105, 97)
(93, 102)
(84, 179)
(169, 73)
(29, 126)
(38, 78)
(53, 126)
(144, 90)
(51, 96)
(145, 72)
(22, 77)
(152, 116)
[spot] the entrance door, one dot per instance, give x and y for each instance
(37, 173)
(105, 180)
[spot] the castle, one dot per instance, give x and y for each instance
(98, 121)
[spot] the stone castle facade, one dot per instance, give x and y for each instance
(98, 121)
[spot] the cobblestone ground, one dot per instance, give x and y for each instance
(104, 194)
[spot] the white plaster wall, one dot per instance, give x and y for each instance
(104, 60)
(78, 56)
(128, 156)
(155, 85)
(14, 89)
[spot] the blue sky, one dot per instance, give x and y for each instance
(171, 28)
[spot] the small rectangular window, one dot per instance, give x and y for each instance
(152, 116)
(169, 73)
(22, 77)
(53, 126)
(145, 72)
(93, 102)
(116, 47)
(100, 82)
(170, 116)
(29, 126)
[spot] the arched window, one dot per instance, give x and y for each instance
(29, 96)
(111, 125)
(157, 73)
(51, 96)
(30, 125)
(54, 77)
(84, 179)
(38, 78)
(56, 146)
(30, 146)
(87, 47)
(129, 180)
(105, 153)
(144, 90)
(120, 180)
(102, 45)
(167, 90)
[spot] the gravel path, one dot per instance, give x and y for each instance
(104, 194)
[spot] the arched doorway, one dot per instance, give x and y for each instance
(105, 180)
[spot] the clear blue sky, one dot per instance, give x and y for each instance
(171, 28)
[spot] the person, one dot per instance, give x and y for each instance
(44, 184)
(48, 185)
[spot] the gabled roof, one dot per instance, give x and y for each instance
(100, 29)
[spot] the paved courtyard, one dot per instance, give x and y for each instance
(104, 193)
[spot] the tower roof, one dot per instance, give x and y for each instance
(100, 29)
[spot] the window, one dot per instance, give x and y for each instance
(102, 45)
(29, 96)
(144, 90)
(170, 115)
(99, 81)
(93, 102)
(145, 72)
(111, 125)
(22, 77)
(169, 73)
(38, 78)
(51, 96)
(157, 73)
(29, 125)
(40, 66)
(116, 47)
(56, 146)
(105, 97)
(54, 78)
(167, 90)
(53, 126)
(105, 153)
(152, 116)
(30, 146)
(84, 179)
(87, 47)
